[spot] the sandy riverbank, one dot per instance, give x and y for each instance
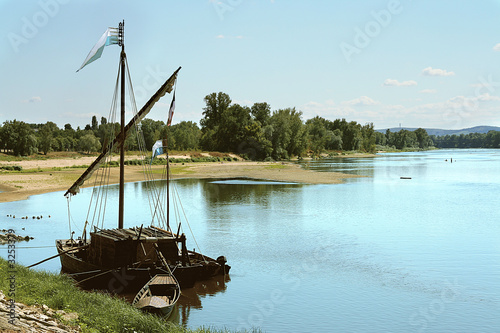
(20, 185)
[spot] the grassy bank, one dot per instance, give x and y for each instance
(96, 312)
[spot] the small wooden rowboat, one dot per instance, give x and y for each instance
(159, 295)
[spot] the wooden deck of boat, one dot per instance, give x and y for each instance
(162, 280)
(146, 234)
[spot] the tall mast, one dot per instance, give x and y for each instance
(168, 186)
(122, 126)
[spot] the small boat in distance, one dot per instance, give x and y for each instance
(159, 295)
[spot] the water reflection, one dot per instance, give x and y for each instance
(368, 255)
(384, 166)
(192, 298)
(349, 165)
(243, 191)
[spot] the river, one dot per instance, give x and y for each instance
(375, 254)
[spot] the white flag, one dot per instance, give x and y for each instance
(110, 37)
(157, 148)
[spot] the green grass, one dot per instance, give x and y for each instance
(277, 166)
(97, 312)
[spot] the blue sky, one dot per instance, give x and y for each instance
(419, 63)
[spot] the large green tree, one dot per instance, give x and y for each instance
(89, 143)
(19, 137)
(289, 136)
(215, 106)
(184, 136)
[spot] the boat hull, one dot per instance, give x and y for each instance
(126, 278)
(163, 311)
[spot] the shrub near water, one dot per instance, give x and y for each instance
(97, 312)
(11, 167)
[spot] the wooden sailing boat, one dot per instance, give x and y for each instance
(124, 259)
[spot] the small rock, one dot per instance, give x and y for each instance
(70, 316)
(43, 317)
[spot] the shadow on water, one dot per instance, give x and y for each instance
(242, 191)
(349, 165)
(192, 298)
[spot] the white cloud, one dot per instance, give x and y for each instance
(496, 47)
(312, 104)
(396, 83)
(88, 115)
(229, 37)
(428, 91)
(429, 71)
(487, 97)
(243, 102)
(34, 99)
(363, 100)
(456, 112)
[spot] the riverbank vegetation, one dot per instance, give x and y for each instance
(97, 312)
(420, 140)
(255, 133)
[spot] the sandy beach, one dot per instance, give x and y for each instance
(50, 175)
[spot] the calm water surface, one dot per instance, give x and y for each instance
(376, 254)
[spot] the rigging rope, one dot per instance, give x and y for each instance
(99, 194)
(156, 193)
(69, 216)
(189, 226)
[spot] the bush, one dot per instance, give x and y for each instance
(11, 167)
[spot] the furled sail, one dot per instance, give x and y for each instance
(165, 88)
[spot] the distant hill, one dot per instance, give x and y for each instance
(441, 132)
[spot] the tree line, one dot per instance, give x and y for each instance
(259, 133)
(255, 132)
(404, 139)
(419, 139)
(471, 140)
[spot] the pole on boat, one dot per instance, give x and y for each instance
(57, 255)
(122, 125)
(168, 188)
